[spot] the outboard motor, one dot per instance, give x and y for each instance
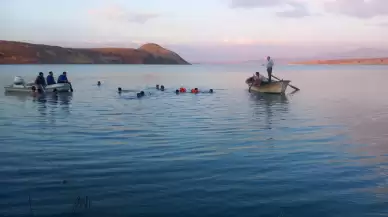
(18, 80)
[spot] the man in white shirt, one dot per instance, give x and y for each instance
(269, 68)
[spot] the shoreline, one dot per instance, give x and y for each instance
(350, 61)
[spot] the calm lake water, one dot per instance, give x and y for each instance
(322, 151)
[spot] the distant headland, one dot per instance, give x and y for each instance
(359, 61)
(12, 52)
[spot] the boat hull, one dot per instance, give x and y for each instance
(63, 87)
(276, 87)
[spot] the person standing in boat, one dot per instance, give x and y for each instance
(50, 79)
(269, 68)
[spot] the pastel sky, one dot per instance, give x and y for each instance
(201, 28)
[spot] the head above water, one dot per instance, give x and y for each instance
(142, 93)
(162, 87)
(211, 91)
(177, 91)
(98, 83)
(157, 86)
(119, 89)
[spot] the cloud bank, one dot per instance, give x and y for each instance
(119, 14)
(358, 8)
(298, 10)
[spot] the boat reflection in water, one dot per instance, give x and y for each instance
(270, 111)
(46, 103)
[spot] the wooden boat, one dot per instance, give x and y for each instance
(275, 87)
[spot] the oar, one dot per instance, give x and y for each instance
(288, 84)
(71, 87)
(249, 90)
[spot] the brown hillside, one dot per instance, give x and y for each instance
(26, 53)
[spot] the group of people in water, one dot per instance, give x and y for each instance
(162, 88)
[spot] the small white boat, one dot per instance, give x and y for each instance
(277, 87)
(20, 86)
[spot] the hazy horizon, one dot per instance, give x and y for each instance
(212, 30)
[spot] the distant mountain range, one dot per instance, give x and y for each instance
(355, 54)
(358, 56)
(12, 52)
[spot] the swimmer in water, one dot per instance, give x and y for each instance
(157, 86)
(162, 88)
(119, 90)
(182, 89)
(98, 83)
(141, 94)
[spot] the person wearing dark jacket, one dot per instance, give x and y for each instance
(40, 80)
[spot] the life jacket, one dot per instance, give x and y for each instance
(182, 90)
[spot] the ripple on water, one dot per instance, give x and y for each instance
(229, 153)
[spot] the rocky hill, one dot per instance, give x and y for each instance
(25, 53)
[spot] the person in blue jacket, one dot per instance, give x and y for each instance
(50, 79)
(63, 79)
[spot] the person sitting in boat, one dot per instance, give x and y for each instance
(50, 79)
(256, 79)
(40, 81)
(260, 77)
(63, 78)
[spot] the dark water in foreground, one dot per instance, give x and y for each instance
(320, 152)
